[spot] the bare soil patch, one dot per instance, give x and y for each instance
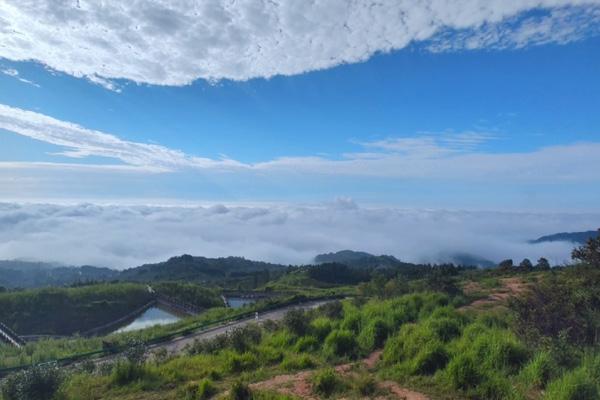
(510, 287)
(299, 384)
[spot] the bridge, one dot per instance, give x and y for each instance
(9, 336)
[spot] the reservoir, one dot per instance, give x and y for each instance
(239, 302)
(151, 317)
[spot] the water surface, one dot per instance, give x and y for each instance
(151, 317)
(239, 302)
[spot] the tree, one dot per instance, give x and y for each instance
(543, 264)
(506, 264)
(589, 253)
(526, 264)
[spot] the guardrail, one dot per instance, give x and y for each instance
(196, 328)
(10, 336)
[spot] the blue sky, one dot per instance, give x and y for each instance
(496, 110)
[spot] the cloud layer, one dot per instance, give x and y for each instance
(447, 156)
(174, 43)
(125, 236)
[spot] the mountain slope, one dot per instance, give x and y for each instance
(575, 237)
(23, 274)
(192, 268)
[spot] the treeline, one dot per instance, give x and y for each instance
(65, 311)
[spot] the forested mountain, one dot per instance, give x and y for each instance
(575, 237)
(21, 274)
(196, 269)
(25, 274)
(359, 259)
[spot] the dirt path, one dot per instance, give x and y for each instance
(299, 384)
(510, 287)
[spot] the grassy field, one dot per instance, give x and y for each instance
(422, 339)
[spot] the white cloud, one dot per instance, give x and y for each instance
(125, 236)
(448, 156)
(82, 142)
(174, 43)
(559, 26)
(15, 74)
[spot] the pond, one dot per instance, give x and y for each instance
(239, 302)
(151, 317)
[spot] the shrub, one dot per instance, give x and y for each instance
(206, 389)
(494, 387)
(373, 335)
(326, 382)
(431, 358)
(351, 322)
(540, 370)
(243, 338)
(297, 362)
(444, 328)
(306, 343)
(38, 382)
(463, 372)
(125, 372)
(333, 309)
(340, 343)
(320, 327)
(574, 385)
(240, 362)
(365, 385)
(499, 349)
(296, 322)
(135, 352)
(240, 391)
(188, 392)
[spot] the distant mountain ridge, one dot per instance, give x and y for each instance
(25, 274)
(574, 237)
(363, 259)
(359, 259)
(196, 269)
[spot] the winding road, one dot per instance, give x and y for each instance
(177, 345)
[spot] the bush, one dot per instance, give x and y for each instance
(296, 322)
(333, 309)
(430, 359)
(206, 389)
(373, 335)
(240, 362)
(494, 387)
(463, 372)
(574, 385)
(240, 391)
(306, 343)
(365, 385)
(320, 327)
(444, 328)
(499, 349)
(351, 322)
(297, 362)
(135, 352)
(340, 343)
(540, 370)
(326, 382)
(39, 383)
(125, 372)
(243, 338)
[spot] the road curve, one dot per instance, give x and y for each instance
(177, 345)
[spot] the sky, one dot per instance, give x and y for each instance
(425, 105)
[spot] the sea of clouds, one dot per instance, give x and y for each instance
(122, 236)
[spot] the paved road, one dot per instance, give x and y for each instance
(178, 344)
